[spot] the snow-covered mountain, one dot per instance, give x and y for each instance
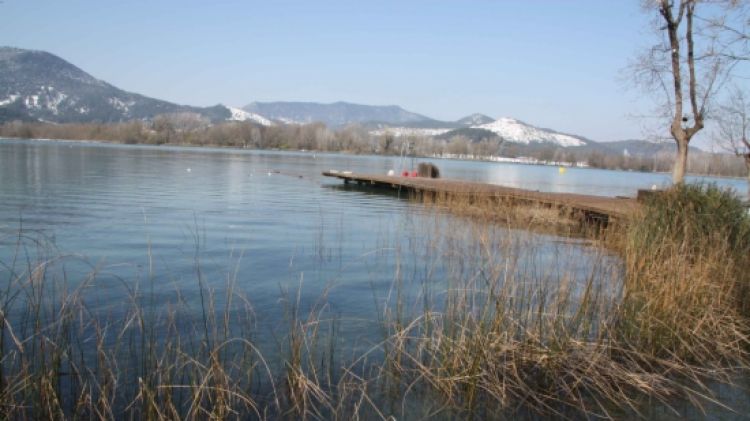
(39, 86)
(504, 129)
(512, 130)
(239, 114)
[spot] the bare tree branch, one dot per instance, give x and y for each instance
(734, 127)
(698, 55)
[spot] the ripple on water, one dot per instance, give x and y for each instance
(112, 205)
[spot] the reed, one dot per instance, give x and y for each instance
(531, 216)
(482, 319)
(686, 261)
(660, 321)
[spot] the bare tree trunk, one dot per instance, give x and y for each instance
(680, 163)
(681, 134)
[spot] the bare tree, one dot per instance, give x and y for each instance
(688, 66)
(386, 142)
(734, 128)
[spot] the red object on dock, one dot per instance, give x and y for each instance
(405, 173)
(414, 174)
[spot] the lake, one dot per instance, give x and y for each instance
(270, 216)
(179, 222)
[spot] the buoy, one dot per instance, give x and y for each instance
(405, 173)
(561, 170)
(391, 173)
(414, 174)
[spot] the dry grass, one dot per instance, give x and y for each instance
(687, 282)
(480, 321)
(512, 213)
(679, 319)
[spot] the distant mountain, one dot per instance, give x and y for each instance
(437, 126)
(512, 130)
(503, 129)
(337, 114)
(475, 120)
(39, 86)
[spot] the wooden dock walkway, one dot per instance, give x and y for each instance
(594, 207)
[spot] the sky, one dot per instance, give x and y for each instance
(552, 63)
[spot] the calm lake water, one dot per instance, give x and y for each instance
(270, 216)
(267, 221)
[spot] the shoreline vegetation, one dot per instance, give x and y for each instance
(487, 330)
(191, 130)
(445, 156)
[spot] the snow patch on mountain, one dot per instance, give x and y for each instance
(242, 115)
(54, 101)
(32, 101)
(513, 130)
(47, 98)
(120, 104)
(9, 100)
(408, 131)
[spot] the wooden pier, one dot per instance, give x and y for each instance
(597, 208)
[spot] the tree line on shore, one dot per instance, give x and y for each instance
(193, 129)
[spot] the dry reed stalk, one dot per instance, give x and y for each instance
(486, 317)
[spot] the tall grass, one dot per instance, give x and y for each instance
(480, 320)
(668, 316)
(512, 213)
(687, 258)
(63, 357)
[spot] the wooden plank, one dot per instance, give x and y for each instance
(617, 207)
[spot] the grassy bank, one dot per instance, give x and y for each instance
(487, 324)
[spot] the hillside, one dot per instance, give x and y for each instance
(39, 86)
(336, 114)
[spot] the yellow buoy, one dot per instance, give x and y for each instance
(561, 170)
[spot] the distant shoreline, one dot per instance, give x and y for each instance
(352, 153)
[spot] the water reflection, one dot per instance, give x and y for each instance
(150, 215)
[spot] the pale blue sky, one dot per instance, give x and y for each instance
(551, 63)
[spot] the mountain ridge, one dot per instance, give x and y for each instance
(40, 86)
(334, 114)
(475, 119)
